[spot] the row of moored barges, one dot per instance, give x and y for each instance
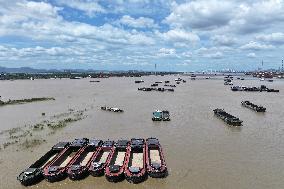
(133, 160)
(232, 120)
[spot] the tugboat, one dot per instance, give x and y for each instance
(111, 109)
(57, 169)
(166, 115)
(114, 171)
(252, 106)
(139, 81)
(157, 115)
(156, 165)
(135, 170)
(79, 168)
(33, 174)
(228, 118)
(101, 159)
(272, 90)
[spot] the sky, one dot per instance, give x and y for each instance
(176, 35)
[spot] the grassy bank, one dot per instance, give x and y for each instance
(24, 101)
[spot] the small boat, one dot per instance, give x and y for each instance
(184, 81)
(272, 90)
(167, 81)
(139, 81)
(157, 115)
(270, 80)
(252, 106)
(156, 165)
(114, 171)
(111, 109)
(79, 167)
(171, 90)
(100, 159)
(154, 85)
(33, 174)
(228, 118)
(96, 81)
(57, 169)
(166, 115)
(135, 170)
(158, 82)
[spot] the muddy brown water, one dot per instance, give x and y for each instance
(200, 150)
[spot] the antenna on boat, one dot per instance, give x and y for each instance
(155, 69)
(282, 69)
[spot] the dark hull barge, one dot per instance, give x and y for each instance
(57, 169)
(101, 159)
(114, 171)
(135, 170)
(228, 118)
(79, 167)
(156, 165)
(252, 106)
(33, 174)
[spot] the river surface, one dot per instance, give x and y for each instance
(201, 151)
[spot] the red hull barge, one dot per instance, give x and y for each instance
(33, 174)
(114, 171)
(156, 165)
(101, 159)
(78, 168)
(57, 169)
(135, 163)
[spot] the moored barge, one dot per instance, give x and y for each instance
(79, 167)
(135, 170)
(228, 118)
(114, 171)
(33, 174)
(101, 159)
(252, 106)
(57, 169)
(156, 165)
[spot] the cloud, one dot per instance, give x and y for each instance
(251, 55)
(90, 8)
(258, 16)
(202, 14)
(223, 40)
(212, 52)
(256, 46)
(164, 52)
(140, 22)
(179, 35)
(275, 38)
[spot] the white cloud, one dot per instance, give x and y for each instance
(251, 55)
(204, 14)
(41, 21)
(140, 22)
(212, 52)
(216, 55)
(89, 7)
(275, 38)
(180, 36)
(223, 40)
(166, 52)
(256, 46)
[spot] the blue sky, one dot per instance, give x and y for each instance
(137, 34)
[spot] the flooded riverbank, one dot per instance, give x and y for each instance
(200, 150)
